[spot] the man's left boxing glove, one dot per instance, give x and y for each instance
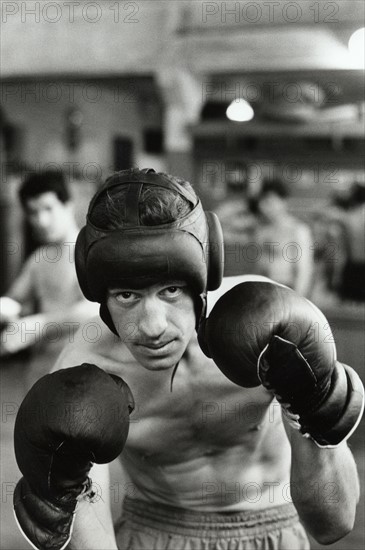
(261, 332)
(67, 421)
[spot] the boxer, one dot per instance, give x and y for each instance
(212, 461)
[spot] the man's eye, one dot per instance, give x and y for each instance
(172, 291)
(125, 296)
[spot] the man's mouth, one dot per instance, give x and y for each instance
(157, 347)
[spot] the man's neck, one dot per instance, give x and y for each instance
(71, 233)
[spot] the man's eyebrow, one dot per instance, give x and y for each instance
(121, 289)
(117, 289)
(163, 284)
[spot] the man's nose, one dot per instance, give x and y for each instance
(153, 321)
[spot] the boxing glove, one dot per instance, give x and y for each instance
(68, 420)
(261, 332)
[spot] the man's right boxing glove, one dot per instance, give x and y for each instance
(67, 421)
(261, 332)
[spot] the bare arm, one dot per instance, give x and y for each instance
(324, 487)
(67, 318)
(31, 329)
(22, 290)
(304, 266)
(93, 526)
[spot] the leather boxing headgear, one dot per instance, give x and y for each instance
(188, 249)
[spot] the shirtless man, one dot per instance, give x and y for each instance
(45, 297)
(285, 244)
(212, 462)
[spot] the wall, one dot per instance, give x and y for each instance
(38, 110)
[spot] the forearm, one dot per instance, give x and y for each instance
(49, 326)
(303, 276)
(324, 487)
(304, 266)
(90, 532)
(303, 282)
(64, 316)
(93, 526)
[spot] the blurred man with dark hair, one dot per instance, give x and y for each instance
(47, 204)
(284, 243)
(44, 305)
(49, 181)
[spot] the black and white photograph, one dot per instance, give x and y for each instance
(182, 301)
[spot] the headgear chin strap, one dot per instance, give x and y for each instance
(188, 249)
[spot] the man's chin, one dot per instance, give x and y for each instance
(155, 368)
(158, 363)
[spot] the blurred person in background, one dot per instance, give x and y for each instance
(353, 222)
(238, 223)
(284, 243)
(329, 258)
(44, 306)
(339, 234)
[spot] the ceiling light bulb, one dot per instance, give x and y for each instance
(357, 47)
(240, 111)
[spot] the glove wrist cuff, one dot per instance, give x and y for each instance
(338, 417)
(45, 525)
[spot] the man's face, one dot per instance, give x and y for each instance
(49, 217)
(155, 323)
(272, 206)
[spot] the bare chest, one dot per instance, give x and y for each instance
(203, 414)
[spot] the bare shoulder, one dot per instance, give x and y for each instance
(230, 282)
(298, 228)
(94, 343)
(304, 231)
